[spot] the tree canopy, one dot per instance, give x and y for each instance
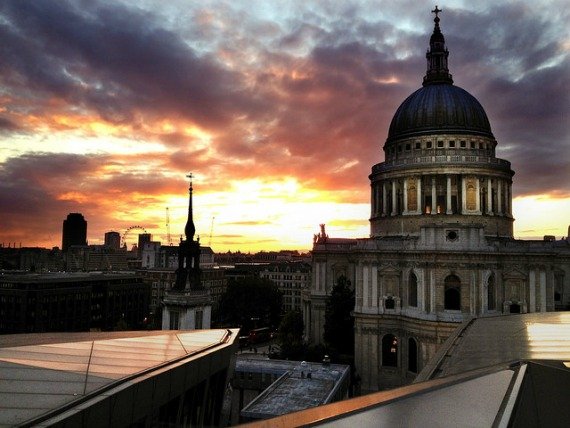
(291, 335)
(339, 323)
(250, 303)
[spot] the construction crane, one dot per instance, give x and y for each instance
(168, 238)
(211, 231)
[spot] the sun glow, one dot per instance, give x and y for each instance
(539, 215)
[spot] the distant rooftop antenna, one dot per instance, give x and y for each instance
(168, 237)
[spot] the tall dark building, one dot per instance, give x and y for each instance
(144, 238)
(74, 231)
(113, 240)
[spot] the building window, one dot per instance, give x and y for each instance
(515, 308)
(174, 320)
(452, 297)
(428, 144)
(412, 355)
(452, 143)
(408, 147)
(389, 303)
(491, 293)
(463, 144)
(418, 146)
(472, 144)
(440, 144)
(413, 290)
(390, 350)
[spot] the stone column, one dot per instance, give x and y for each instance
(394, 196)
(463, 195)
(433, 196)
(478, 195)
(448, 194)
(384, 201)
(489, 197)
(405, 196)
(509, 203)
(419, 207)
(500, 197)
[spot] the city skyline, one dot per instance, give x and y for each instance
(279, 110)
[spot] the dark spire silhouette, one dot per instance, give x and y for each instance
(188, 275)
(437, 71)
(190, 229)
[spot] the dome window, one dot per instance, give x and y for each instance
(452, 143)
(408, 147)
(472, 144)
(440, 143)
(418, 146)
(463, 144)
(428, 144)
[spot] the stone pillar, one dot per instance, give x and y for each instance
(419, 208)
(532, 291)
(448, 194)
(509, 200)
(394, 196)
(478, 194)
(374, 276)
(463, 195)
(489, 197)
(373, 200)
(405, 196)
(384, 201)
(433, 196)
(500, 197)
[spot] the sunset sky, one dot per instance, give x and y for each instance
(279, 108)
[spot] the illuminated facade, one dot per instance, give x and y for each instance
(441, 247)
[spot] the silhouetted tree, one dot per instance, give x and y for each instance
(290, 335)
(339, 324)
(249, 302)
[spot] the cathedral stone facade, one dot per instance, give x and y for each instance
(441, 247)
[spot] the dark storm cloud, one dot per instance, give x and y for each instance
(29, 194)
(509, 59)
(114, 60)
(6, 125)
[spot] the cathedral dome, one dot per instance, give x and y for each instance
(439, 108)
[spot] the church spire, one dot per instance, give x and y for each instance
(190, 229)
(437, 71)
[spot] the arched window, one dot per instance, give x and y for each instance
(452, 298)
(413, 290)
(390, 350)
(412, 355)
(491, 293)
(390, 303)
(515, 308)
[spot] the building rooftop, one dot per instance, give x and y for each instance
(510, 370)
(45, 375)
(302, 385)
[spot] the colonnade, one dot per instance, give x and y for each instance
(442, 194)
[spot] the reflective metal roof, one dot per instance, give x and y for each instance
(40, 373)
(489, 341)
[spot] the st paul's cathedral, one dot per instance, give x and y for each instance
(441, 249)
